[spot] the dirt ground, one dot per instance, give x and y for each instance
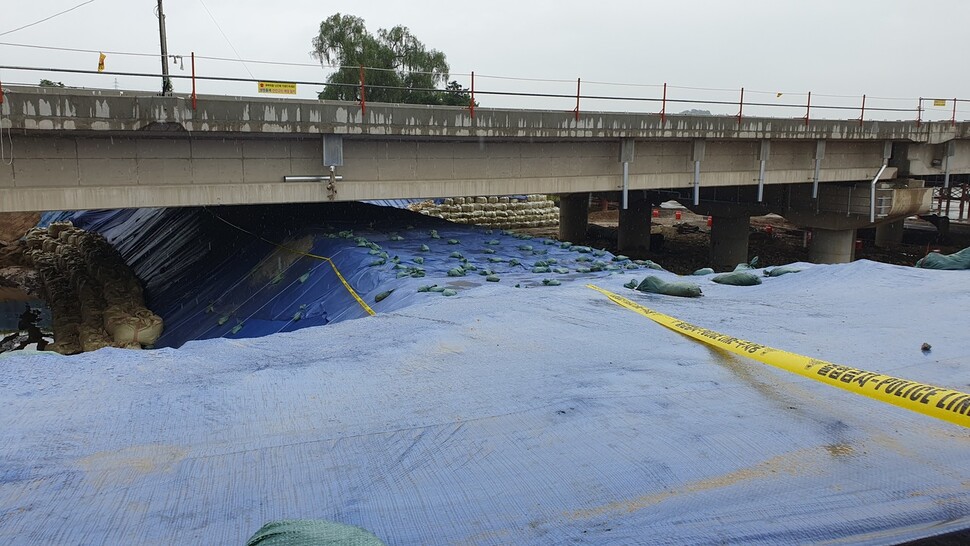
(685, 244)
(13, 225)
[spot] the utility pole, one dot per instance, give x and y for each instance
(166, 81)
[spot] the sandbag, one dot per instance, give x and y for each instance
(753, 264)
(312, 532)
(955, 261)
(703, 271)
(783, 270)
(143, 327)
(656, 285)
(737, 278)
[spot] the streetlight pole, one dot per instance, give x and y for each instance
(166, 81)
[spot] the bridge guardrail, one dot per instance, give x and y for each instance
(660, 100)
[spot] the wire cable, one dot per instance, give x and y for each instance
(78, 50)
(226, 38)
(46, 18)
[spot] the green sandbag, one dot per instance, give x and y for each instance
(935, 260)
(703, 271)
(551, 282)
(656, 285)
(492, 278)
(382, 296)
(753, 264)
(456, 272)
(783, 270)
(311, 532)
(737, 278)
(448, 292)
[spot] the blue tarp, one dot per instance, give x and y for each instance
(541, 415)
(529, 415)
(207, 278)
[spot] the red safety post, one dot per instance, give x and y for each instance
(953, 118)
(740, 107)
(363, 100)
(577, 99)
(1, 92)
(808, 108)
(193, 81)
(919, 112)
(862, 115)
(471, 103)
(663, 106)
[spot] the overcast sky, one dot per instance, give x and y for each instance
(884, 48)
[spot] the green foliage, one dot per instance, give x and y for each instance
(50, 83)
(398, 67)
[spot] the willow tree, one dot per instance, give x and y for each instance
(398, 67)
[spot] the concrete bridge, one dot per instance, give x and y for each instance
(84, 149)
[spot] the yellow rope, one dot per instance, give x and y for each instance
(333, 266)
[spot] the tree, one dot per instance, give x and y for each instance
(49, 83)
(398, 67)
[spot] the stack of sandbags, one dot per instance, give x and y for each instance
(499, 212)
(95, 299)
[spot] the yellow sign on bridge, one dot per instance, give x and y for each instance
(277, 88)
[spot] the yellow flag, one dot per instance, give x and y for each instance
(101, 62)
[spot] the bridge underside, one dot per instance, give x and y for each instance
(83, 171)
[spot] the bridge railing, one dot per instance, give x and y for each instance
(575, 95)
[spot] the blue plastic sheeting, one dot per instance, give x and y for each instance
(208, 279)
(539, 415)
(398, 203)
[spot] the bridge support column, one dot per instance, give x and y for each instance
(729, 241)
(890, 233)
(830, 246)
(633, 233)
(573, 217)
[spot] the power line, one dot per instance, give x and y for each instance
(77, 50)
(46, 18)
(226, 38)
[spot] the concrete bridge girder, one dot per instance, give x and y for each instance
(180, 169)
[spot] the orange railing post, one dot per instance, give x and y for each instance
(663, 106)
(363, 100)
(193, 81)
(577, 99)
(808, 108)
(740, 107)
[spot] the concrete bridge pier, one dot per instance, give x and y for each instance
(633, 232)
(573, 217)
(832, 246)
(729, 241)
(890, 233)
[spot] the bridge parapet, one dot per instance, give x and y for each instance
(77, 110)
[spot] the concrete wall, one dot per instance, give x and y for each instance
(923, 159)
(45, 109)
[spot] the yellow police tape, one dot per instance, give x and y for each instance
(333, 266)
(946, 404)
